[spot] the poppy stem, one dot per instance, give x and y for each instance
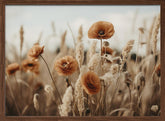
(68, 82)
(101, 52)
(52, 78)
(101, 47)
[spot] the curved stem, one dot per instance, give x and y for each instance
(52, 78)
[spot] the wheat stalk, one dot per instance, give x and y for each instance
(80, 53)
(80, 34)
(155, 34)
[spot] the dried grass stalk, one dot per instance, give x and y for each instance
(111, 76)
(65, 108)
(35, 101)
(94, 63)
(80, 34)
(155, 34)
(148, 49)
(92, 50)
(63, 38)
(21, 38)
(127, 49)
(80, 53)
(125, 53)
(79, 96)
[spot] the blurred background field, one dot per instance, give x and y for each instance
(37, 22)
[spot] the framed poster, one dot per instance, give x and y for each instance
(82, 60)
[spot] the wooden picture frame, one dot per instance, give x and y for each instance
(3, 3)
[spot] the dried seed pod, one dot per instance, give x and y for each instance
(106, 43)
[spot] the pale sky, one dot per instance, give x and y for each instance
(37, 19)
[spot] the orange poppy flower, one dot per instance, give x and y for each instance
(90, 83)
(30, 65)
(35, 51)
(12, 68)
(66, 66)
(101, 30)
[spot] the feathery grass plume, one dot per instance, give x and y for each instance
(127, 49)
(30, 66)
(35, 52)
(92, 50)
(114, 69)
(125, 53)
(35, 101)
(80, 34)
(80, 53)
(107, 77)
(105, 67)
(49, 93)
(12, 68)
(66, 65)
(155, 34)
(148, 50)
(90, 83)
(49, 90)
(111, 76)
(79, 96)
(94, 63)
(62, 45)
(65, 108)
